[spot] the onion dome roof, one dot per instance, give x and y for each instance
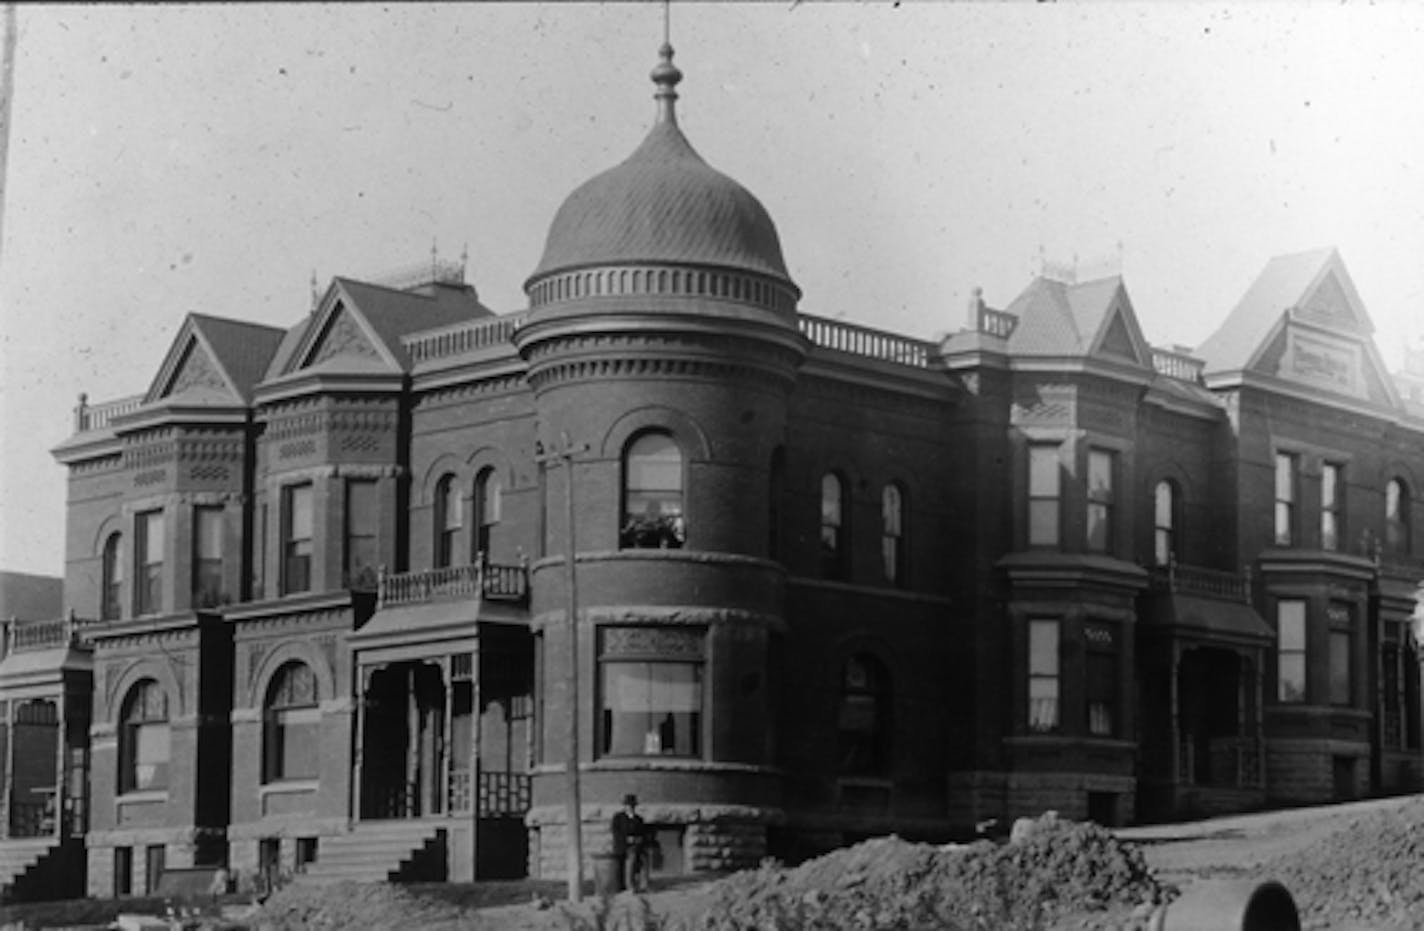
(663, 204)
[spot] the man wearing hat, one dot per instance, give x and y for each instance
(628, 831)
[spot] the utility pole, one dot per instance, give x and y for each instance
(7, 103)
(564, 455)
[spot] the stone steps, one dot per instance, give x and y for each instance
(19, 859)
(381, 851)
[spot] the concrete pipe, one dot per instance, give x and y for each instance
(1230, 905)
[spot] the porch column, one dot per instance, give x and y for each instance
(8, 797)
(443, 792)
(1176, 728)
(363, 684)
(475, 716)
(412, 744)
(59, 768)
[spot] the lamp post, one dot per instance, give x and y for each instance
(564, 455)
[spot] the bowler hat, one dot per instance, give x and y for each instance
(630, 800)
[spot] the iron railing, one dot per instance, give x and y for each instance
(1197, 580)
(503, 794)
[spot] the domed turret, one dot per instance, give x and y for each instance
(663, 205)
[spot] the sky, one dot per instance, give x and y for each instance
(166, 160)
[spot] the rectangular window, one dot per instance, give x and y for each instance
(1043, 675)
(296, 538)
(1290, 650)
(123, 871)
(1044, 485)
(1341, 618)
(1286, 471)
(1331, 488)
(1102, 684)
(652, 708)
(207, 557)
(1101, 468)
(148, 585)
(362, 516)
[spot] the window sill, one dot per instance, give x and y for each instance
(290, 786)
(142, 796)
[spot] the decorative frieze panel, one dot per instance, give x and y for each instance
(343, 337)
(296, 449)
(678, 642)
(508, 384)
(210, 473)
(639, 367)
(196, 371)
(150, 477)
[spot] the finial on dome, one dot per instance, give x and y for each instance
(666, 76)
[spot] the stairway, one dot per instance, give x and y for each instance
(381, 851)
(24, 865)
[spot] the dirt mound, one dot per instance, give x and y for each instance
(1054, 871)
(357, 906)
(1366, 873)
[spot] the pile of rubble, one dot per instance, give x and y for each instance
(1366, 874)
(356, 906)
(1052, 873)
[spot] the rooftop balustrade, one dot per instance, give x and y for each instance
(98, 416)
(1177, 365)
(462, 338)
(47, 634)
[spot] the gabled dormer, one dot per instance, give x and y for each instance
(213, 362)
(1302, 327)
(1084, 321)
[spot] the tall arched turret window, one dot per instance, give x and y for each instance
(1164, 522)
(892, 533)
(487, 508)
(653, 494)
(833, 542)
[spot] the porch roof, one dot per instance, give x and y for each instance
(1215, 618)
(408, 631)
(32, 667)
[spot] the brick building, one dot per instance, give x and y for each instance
(831, 581)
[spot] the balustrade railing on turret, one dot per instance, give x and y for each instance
(864, 341)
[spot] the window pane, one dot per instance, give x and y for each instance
(1043, 522)
(1043, 647)
(1291, 615)
(830, 501)
(1340, 667)
(151, 748)
(1043, 473)
(1100, 475)
(1162, 507)
(651, 708)
(1099, 523)
(153, 537)
(1329, 485)
(1292, 677)
(1285, 477)
(652, 494)
(1283, 523)
(299, 512)
(890, 510)
(452, 504)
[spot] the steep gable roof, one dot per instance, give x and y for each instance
(1287, 281)
(1091, 318)
(213, 360)
(358, 326)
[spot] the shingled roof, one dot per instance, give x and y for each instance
(1284, 281)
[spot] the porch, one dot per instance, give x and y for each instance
(1202, 653)
(444, 712)
(46, 680)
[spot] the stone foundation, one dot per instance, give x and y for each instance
(1303, 771)
(977, 797)
(714, 837)
(180, 850)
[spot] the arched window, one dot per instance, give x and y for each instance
(110, 600)
(892, 534)
(1397, 534)
(833, 557)
(1164, 522)
(291, 725)
(449, 516)
(863, 719)
(652, 494)
(144, 738)
(487, 507)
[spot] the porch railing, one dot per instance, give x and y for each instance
(1197, 580)
(1235, 762)
(31, 819)
(503, 794)
(48, 634)
(459, 793)
(486, 580)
